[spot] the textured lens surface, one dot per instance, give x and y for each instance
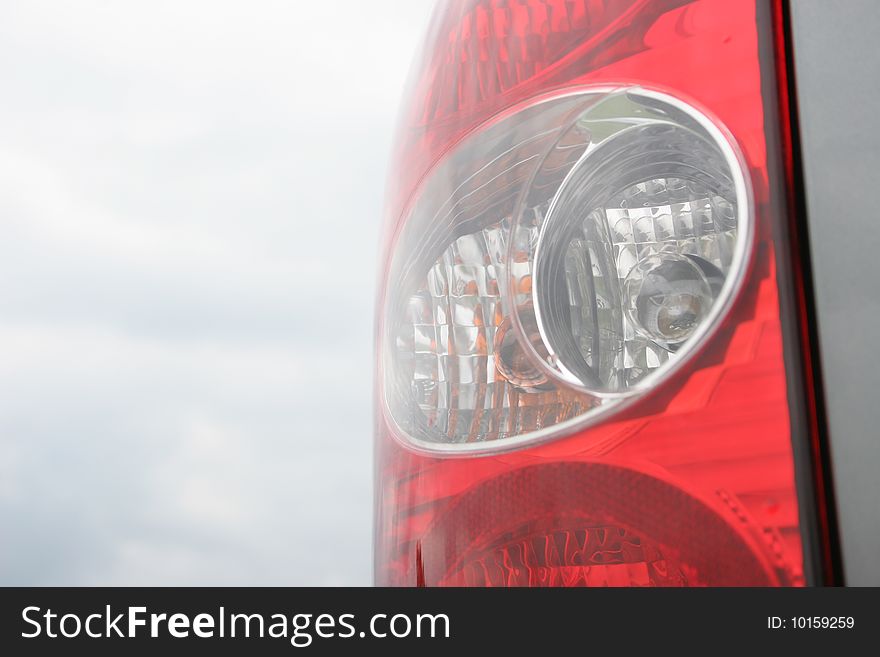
(471, 379)
(458, 371)
(568, 251)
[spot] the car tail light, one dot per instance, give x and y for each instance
(580, 361)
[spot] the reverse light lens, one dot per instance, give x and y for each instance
(657, 197)
(563, 257)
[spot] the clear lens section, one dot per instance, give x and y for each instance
(557, 260)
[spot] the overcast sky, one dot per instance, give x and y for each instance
(190, 193)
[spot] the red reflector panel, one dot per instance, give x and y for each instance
(617, 527)
(693, 483)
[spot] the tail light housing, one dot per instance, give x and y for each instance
(580, 374)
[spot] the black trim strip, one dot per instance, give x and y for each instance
(822, 554)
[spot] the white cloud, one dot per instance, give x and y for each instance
(191, 198)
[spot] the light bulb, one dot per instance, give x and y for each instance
(666, 298)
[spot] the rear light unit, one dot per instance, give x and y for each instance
(580, 366)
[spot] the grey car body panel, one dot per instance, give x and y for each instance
(837, 73)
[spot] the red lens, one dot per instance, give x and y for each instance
(694, 483)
